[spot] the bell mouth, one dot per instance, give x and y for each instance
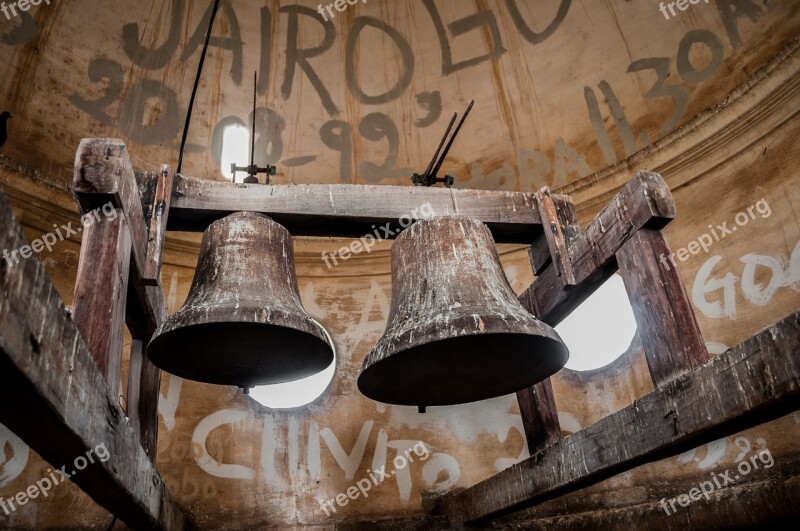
(240, 353)
(463, 369)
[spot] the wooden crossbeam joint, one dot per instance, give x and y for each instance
(591, 256)
(645, 201)
(104, 174)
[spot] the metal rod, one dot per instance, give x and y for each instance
(444, 139)
(253, 129)
(452, 139)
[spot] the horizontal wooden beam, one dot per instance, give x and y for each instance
(104, 174)
(764, 496)
(351, 211)
(750, 384)
(645, 201)
(55, 398)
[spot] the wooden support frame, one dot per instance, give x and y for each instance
(570, 264)
(752, 383)
(48, 375)
(581, 261)
(104, 174)
(537, 404)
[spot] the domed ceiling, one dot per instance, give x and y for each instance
(563, 88)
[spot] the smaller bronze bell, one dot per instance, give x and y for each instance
(456, 331)
(243, 323)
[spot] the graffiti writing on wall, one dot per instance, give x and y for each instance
(716, 292)
(533, 168)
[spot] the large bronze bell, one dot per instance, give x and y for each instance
(243, 323)
(456, 331)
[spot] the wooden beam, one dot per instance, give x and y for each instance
(752, 383)
(555, 236)
(769, 504)
(671, 337)
(101, 287)
(144, 380)
(537, 405)
(764, 496)
(103, 174)
(158, 216)
(48, 375)
(350, 211)
(645, 201)
(568, 217)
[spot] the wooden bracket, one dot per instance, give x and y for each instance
(158, 214)
(570, 265)
(539, 251)
(644, 202)
(555, 234)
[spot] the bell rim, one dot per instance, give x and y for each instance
(551, 359)
(183, 362)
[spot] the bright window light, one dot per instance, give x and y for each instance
(235, 148)
(299, 392)
(601, 329)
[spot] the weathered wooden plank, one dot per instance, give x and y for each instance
(645, 201)
(98, 304)
(103, 174)
(766, 495)
(351, 210)
(144, 380)
(158, 224)
(567, 214)
(750, 384)
(537, 407)
(48, 374)
(555, 236)
(671, 337)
